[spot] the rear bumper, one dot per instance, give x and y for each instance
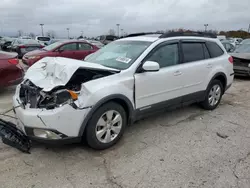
(241, 71)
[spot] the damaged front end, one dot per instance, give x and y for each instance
(36, 97)
(52, 101)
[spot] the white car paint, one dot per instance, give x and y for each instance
(149, 87)
(50, 72)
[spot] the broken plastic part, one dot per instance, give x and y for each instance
(73, 95)
(14, 137)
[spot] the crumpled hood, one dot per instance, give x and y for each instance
(50, 72)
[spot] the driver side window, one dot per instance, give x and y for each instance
(69, 47)
(166, 55)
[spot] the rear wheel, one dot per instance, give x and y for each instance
(213, 95)
(106, 126)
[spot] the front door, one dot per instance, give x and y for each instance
(154, 90)
(68, 50)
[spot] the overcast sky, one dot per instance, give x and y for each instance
(96, 17)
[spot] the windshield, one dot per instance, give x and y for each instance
(119, 55)
(43, 39)
(244, 48)
(246, 41)
(52, 46)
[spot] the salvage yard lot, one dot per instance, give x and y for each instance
(187, 147)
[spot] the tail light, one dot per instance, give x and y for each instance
(231, 59)
(13, 61)
(41, 46)
(22, 46)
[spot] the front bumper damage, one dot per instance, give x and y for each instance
(14, 137)
(55, 126)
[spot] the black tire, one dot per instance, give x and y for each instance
(90, 131)
(205, 104)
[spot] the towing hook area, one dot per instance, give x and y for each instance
(14, 137)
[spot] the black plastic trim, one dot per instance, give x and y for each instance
(169, 104)
(187, 34)
(103, 101)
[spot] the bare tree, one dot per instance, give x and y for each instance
(32, 35)
(51, 34)
(20, 33)
(111, 32)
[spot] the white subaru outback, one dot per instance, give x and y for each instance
(68, 100)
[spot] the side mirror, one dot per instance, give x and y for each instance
(151, 66)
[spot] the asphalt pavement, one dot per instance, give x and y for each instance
(184, 148)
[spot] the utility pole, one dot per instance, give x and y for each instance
(118, 26)
(206, 25)
(249, 29)
(68, 32)
(42, 28)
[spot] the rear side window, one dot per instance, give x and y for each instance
(214, 49)
(192, 51)
(84, 46)
(45, 39)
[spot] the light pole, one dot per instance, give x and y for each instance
(68, 32)
(42, 28)
(118, 25)
(206, 25)
(121, 32)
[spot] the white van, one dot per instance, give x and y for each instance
(43, 40)
(221, 37)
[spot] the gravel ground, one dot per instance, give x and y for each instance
(187, 147)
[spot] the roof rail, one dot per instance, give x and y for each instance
(141, 34)
(193, 34)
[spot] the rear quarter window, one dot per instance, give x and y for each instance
(214, 49)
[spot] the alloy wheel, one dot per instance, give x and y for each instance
(108, 126)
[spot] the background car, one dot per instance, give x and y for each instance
(22, 46)
(3, 40)
(241, 58)
(246, 41)
(5, 46)
(94, 42)
(10, 71)
(228, 46)
(52, 41)
(70, 49)
(105, 39)
(43, 40)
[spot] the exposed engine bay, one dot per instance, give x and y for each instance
(35, 97)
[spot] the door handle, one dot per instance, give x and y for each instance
(177, 73)
(209, 65)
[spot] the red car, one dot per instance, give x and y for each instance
(70, 49)
(10, 71)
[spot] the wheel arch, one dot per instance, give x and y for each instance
(118, 98)
(221, 77)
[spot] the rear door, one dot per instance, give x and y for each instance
(195, 68)
(84, 49)
(68, 50)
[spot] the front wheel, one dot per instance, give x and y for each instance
(213, 95)
(106, 126)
